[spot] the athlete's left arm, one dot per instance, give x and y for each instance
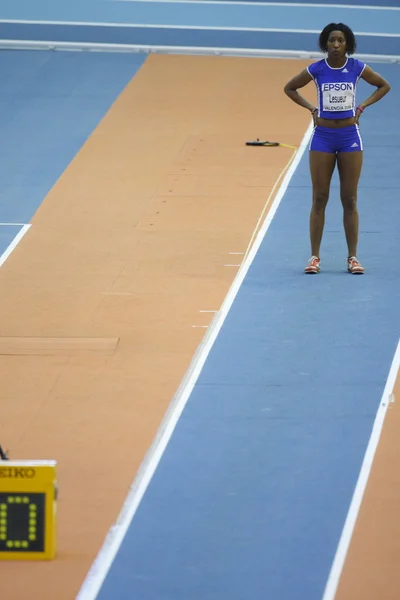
(382, 86)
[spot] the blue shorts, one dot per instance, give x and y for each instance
(343, 139)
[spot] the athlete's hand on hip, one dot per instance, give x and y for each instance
(314, 114)
(359, 111)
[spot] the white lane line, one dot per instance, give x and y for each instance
(13, 244)
(189, 27)
(185, 50)
(98, 572)
(12, 224)
(283, 4)
(345, 539)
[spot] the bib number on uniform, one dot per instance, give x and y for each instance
(337, 96)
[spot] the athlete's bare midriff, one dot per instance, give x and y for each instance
(335, 123)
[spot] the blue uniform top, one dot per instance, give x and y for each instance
(336, 87)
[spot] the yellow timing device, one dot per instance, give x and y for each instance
(28, 505)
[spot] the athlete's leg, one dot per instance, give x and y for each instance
(322, 165)
(349, 167)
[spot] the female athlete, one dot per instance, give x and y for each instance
(336, 138)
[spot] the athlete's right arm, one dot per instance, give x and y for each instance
(299, 81)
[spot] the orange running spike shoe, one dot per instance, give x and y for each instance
(313, 266)
(354, 267)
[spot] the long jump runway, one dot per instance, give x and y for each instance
(257, 482)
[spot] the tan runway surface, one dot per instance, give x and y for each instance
(125, 251)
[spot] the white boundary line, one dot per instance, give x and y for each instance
(98, 572)
(283, 4)
(14, 243)
(345, 539)
(12, 224)
(186, 50)
(184, 27)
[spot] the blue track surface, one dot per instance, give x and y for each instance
(224, 25)
(250, 497)
(208, 15)
(50, 103)
(373, 3)
(189, 38)
(252, 492)
(22, 8)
